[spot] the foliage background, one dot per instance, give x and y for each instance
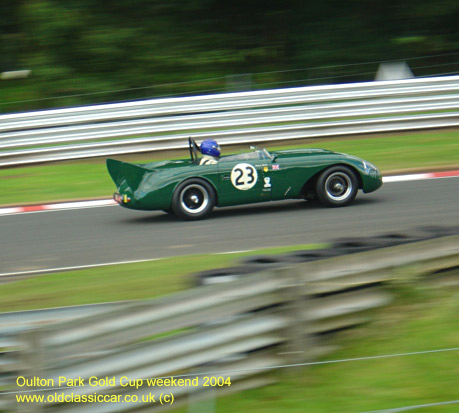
(87, 48)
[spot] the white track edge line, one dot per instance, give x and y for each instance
(76, 267)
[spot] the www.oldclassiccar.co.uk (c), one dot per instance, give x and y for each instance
(162, 398)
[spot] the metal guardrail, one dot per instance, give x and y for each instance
(232, 118)
(16, 322)
(240, 328)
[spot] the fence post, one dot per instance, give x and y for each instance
(201, 400)
(299, 344)
(31, 358)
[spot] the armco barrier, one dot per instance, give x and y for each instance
(232, 118)
(241, 328)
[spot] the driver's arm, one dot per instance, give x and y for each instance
(207, 161)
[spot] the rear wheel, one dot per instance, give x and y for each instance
(193, 199)
(337, 186)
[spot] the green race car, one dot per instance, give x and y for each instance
(191, 190)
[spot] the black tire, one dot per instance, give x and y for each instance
(360, 244)
(269, 261)
(313, 255)
(193, 199)
(337, 186)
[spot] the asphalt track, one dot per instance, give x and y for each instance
(68, 238)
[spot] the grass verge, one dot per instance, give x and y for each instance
(425, 322)
(118, 282)
(89, 179)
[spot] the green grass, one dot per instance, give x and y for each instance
(63, 181)
(426, 322)
(89, 179)
(118, 282)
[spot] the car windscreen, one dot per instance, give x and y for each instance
(261, 154)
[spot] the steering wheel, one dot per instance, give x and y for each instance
(193, 150)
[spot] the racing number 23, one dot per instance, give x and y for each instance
(244, 176)
(249, 174)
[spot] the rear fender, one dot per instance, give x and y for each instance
(126, 172)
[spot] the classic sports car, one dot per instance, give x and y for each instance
(191, 190)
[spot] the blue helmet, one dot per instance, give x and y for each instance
(210, 147)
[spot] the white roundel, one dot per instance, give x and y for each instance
(244, 176)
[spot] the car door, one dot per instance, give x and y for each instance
(243, 181)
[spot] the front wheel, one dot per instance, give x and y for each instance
(337, 186)
(193, 199)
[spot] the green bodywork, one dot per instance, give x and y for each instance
(279, 175)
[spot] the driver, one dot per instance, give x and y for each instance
(210, 150)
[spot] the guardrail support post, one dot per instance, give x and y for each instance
(298, 345)
(32, 360)
(202, 400)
